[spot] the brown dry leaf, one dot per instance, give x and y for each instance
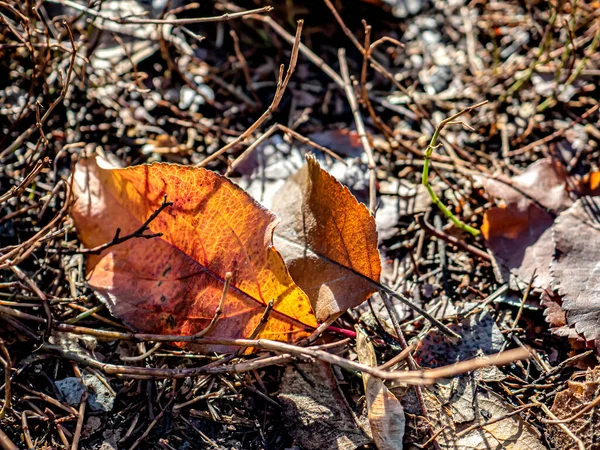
(386, 414)
(455, 405)
(556, 316)
(518, 231)
(173, 284)
(328, 240)
(314, 411)
(344, 141)
(575, 268)
(569, 402)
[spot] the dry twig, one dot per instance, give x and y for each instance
(360, 128)
(279, 91)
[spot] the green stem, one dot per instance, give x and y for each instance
(425, 178)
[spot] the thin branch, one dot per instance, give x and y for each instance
(451, 239)
(398, 358)
(153, 423)
(219, 309)
(435, 322)
(63, 93)
(312, 56)
(581, 412)
(260, 327)
(139, 233)
(476, 426)
(80, 420)
(412, 365)
(16, 190)
(242, 59)
(367, 52)
(368, 48)
(34, 287)
(174, 22)
(143, 356)
(562, 426)
(6, 443)
(419, 377)
(556, 134)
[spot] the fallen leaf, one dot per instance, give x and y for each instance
(526, 233)
(589, 184)
(328, 240)
(575, 269)
(344, 142)
(101, 398)
(454, 405)
(265, 170)
(556, 316)
(569, 402)
(518, 231)
(173, 284)
(386, 415)
(457, 404)
(314, 411)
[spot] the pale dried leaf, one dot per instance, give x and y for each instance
(569, 402)
(575, 268)
(457, 404)
(314, 412)
(543, 182)
(386, 415)
(556, 316)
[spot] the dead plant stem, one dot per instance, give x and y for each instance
(418, 377)
(360, 128)
(219, 309)
(63, 93)
(6, 362)
(279, 91)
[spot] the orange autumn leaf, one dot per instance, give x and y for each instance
(328, 240)
(173, 284)
(589, 185)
